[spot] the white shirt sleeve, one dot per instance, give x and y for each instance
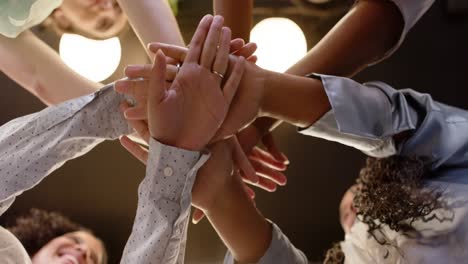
(33, 146)
(20, 15)
(159, 232)
(11, 250)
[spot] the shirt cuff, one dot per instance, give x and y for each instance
(99, 113)
(349, 120)
(172, 168)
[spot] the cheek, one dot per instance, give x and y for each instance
(45, 255)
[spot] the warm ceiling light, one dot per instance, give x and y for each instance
(94, 59)
(281, 43)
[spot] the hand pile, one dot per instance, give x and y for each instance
(205, 96)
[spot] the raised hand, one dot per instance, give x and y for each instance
(192, 109)
(246, 105)
(268, 164)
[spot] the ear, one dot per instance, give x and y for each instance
(61, 19)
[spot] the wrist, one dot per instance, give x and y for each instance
(297, 100)
(267, 107)
(223, 200)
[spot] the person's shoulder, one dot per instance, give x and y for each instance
(19, 16)
(11, 250)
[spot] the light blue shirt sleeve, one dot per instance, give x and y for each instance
(17, 16)
(376, 112)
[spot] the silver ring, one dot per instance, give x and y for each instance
(218, 74)
(178, 68)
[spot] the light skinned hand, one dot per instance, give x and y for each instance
(246, 105)
(269, 164)
(136, 84)
(189, 112)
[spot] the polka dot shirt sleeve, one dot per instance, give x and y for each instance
(160, 229)
(33, 146)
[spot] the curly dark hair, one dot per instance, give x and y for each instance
(35, 228)
(390, 193)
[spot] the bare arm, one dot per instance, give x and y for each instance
(364, 35)
(243, 229)
(153, 21)
(38, 68)
(237, 15)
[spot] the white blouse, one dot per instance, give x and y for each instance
(17, 16)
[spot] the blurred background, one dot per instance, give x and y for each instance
(99, 190)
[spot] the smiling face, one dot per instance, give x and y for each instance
(97, 18)
(73, 248)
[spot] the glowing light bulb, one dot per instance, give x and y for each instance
(93, 59)
(281, 43)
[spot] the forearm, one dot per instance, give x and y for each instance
(39, 69)
(297, 100)
(364, 35)
(239, 224)
(153, 21)
(369, 30)
(35, 145)
(160, 229)
(237, 16)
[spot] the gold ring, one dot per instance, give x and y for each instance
(218, 74)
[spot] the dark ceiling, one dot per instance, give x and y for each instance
(99, 190)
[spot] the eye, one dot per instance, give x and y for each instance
(75, 239)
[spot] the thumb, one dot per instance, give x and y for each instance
(157, 83)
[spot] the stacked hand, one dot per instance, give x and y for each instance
(186, 107)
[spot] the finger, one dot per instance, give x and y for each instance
(252, 59)
(197, 216)
(140, 126)
(266, 172)
(135, 88)
(266, 158)
(269, 142)
(236, 44)
(222, 57)
(250, 192)
(135, 149)
(234, 79)
(242, 162)
(176, 53)
(139, 112)
(263, 183)
(157, 83)
(267, 185)
(138, 71)
(247, 51)
(210, 47)
(171, 72)
(196, 45)
(171, 61)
